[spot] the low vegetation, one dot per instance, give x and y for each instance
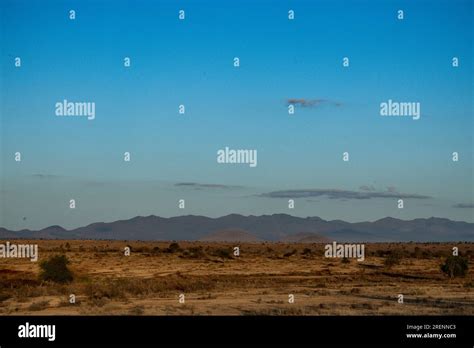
(217, 282)
(455, 266)
(393, 258)
(55, 269)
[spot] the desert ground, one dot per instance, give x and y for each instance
(257, 282)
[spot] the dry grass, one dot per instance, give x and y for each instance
(215, 282)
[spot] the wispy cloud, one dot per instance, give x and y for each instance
(341, 194)
(464, 205)
(369, 188)
(392, 189)
(311, 103)
(199, 186)
(46, 176)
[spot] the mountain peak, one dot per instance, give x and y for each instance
(54, 228)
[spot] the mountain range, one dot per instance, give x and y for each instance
(276, 227)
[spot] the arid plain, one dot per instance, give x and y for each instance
(257, 282)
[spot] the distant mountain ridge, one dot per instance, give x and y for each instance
(305, 238)
(233, 235)
(276, 227)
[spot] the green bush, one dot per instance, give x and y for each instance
(55, 269)
(455, 266)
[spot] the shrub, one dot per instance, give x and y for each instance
(137, 310)
(55, 269)
(307, 251)
(4, 296)
(142, 249)
(417, 253)
(290, 253)
(393, 258)
(173, 247)
(38, 306)
(223, 253)
(355, 291)
(194, 253)
(455, 266)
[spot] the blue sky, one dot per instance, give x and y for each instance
(190, 62)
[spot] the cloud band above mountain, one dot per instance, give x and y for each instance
(198, 186)
(464, 205)
(340, 194)
(311, 103)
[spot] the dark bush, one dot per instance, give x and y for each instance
(196, 252)
(393, 258)
(55, 269)
(307, 251)
(223, 253)
(417, 253)
(455, 266)
(290, 253)
(173, 248)
(193, 253)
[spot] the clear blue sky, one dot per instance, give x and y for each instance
(191, 62)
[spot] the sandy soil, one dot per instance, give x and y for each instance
(258, 282)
